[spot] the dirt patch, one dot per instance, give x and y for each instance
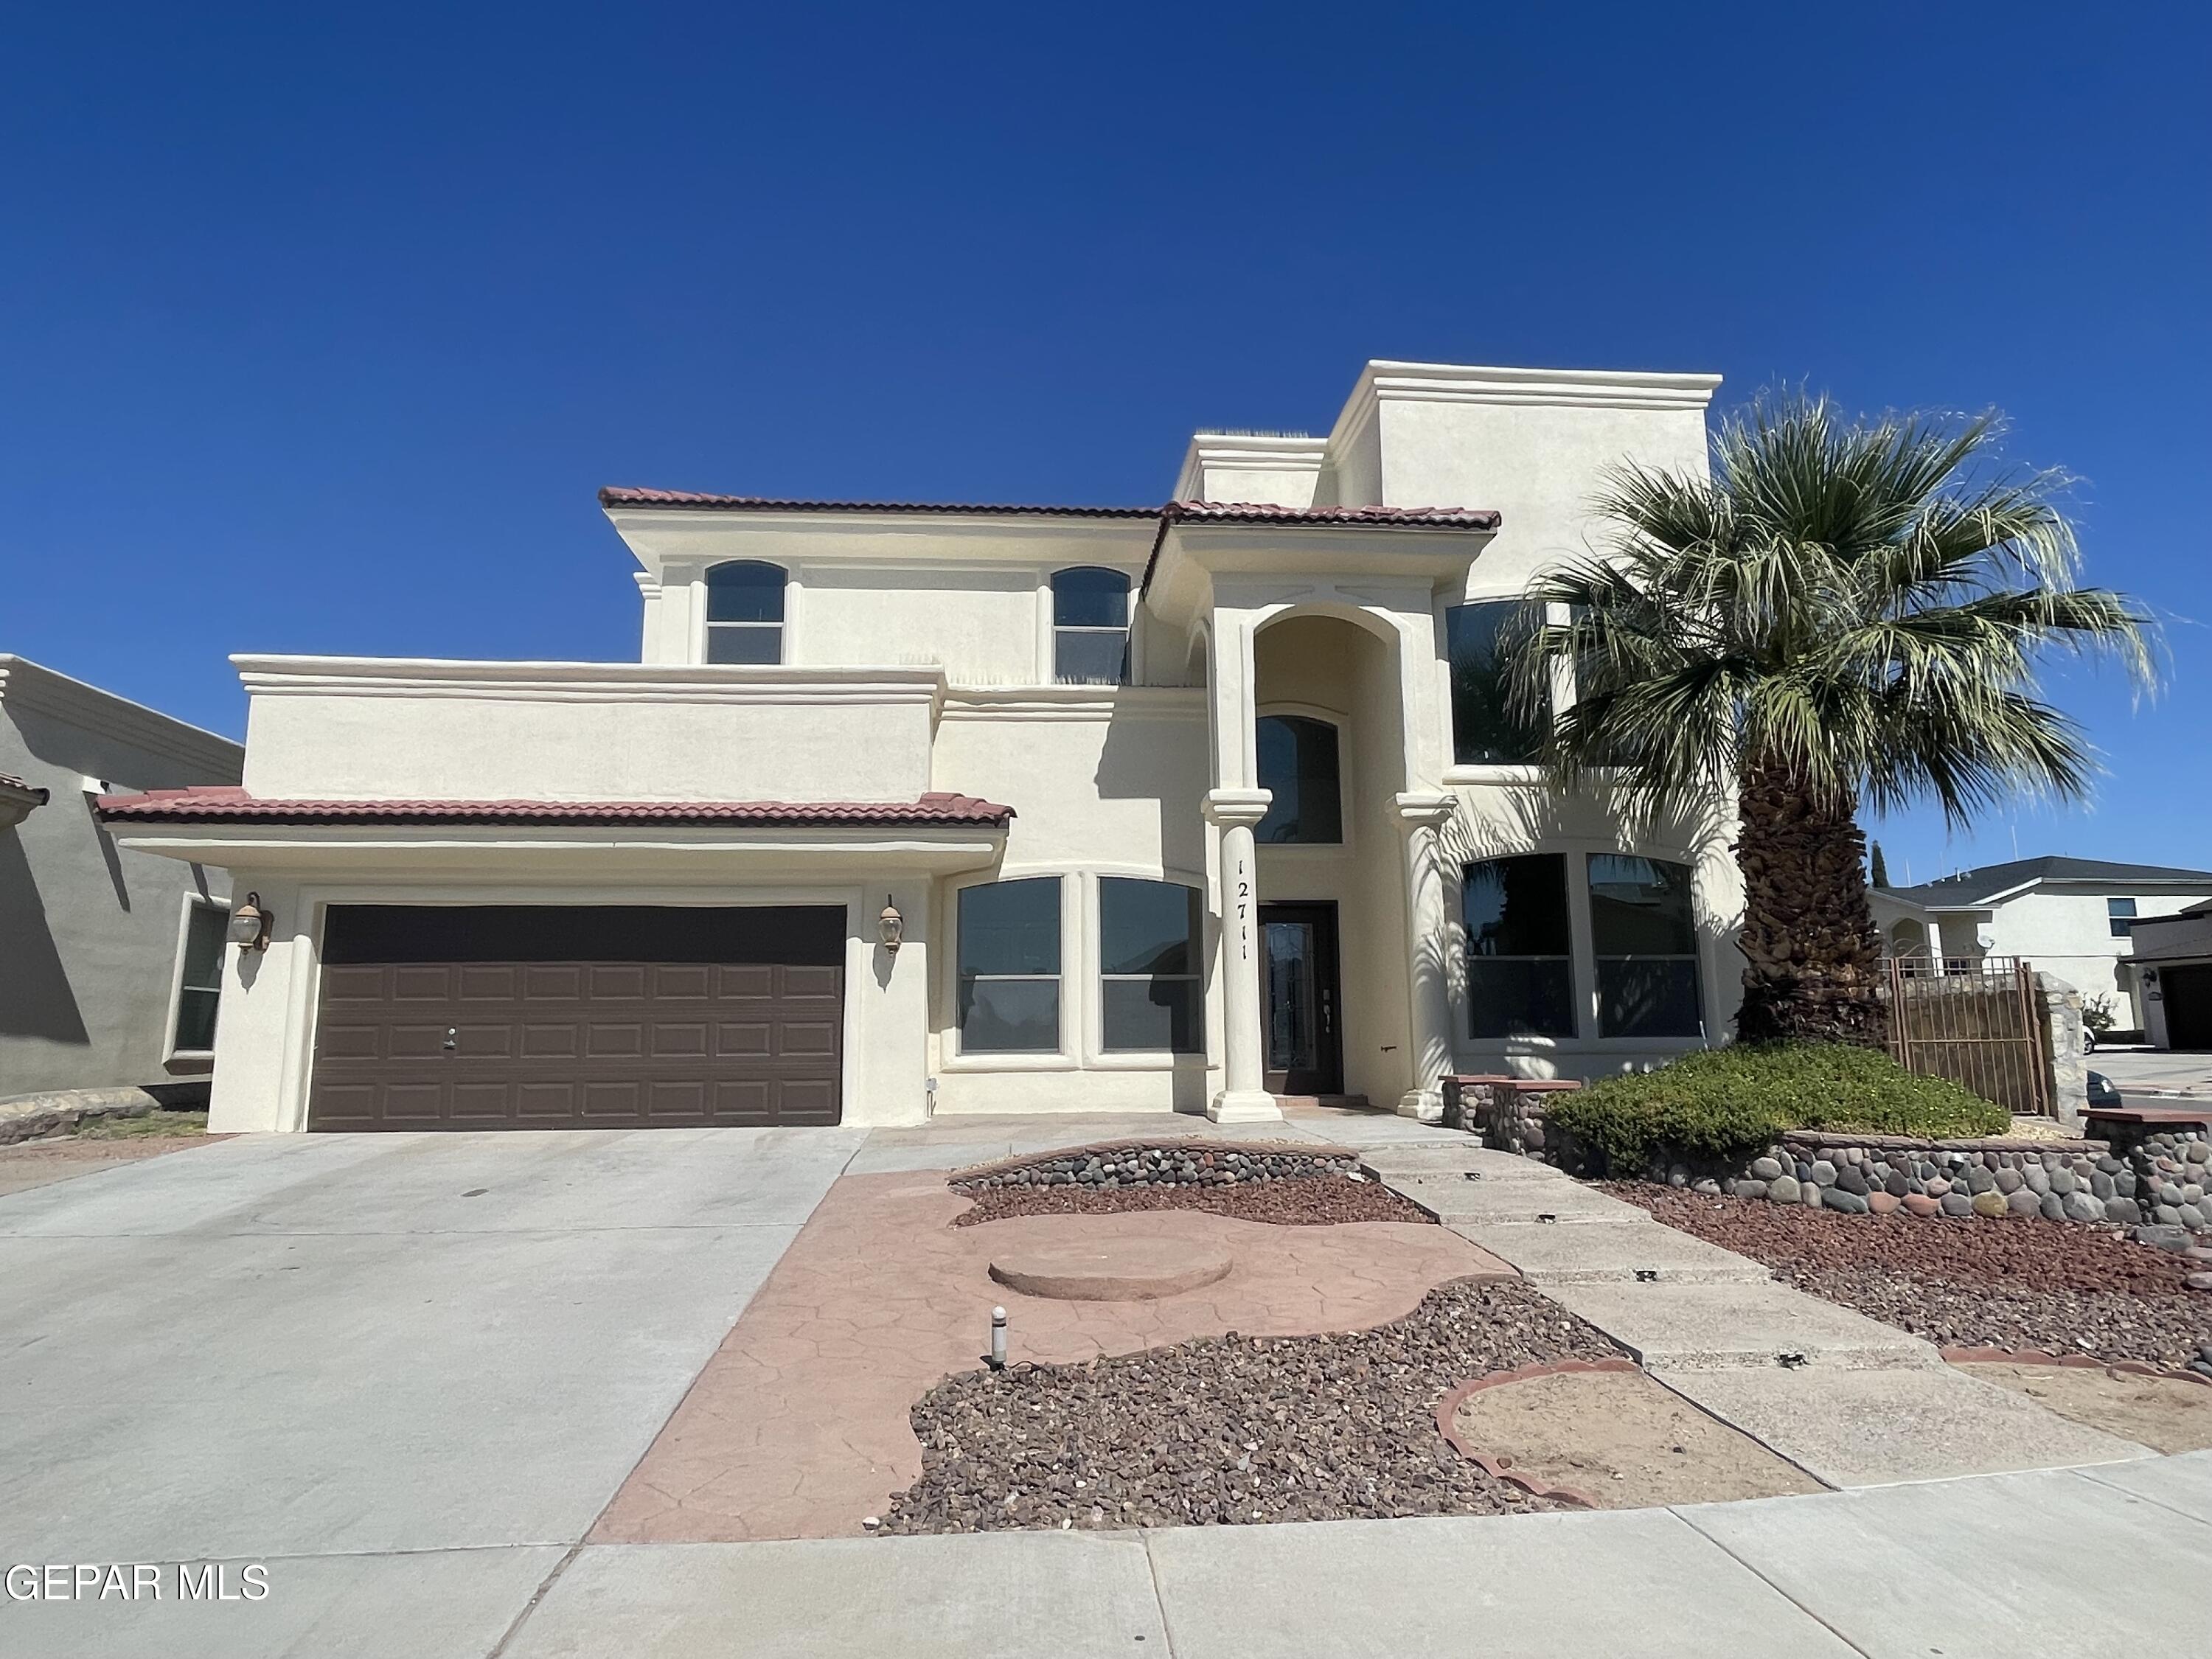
(2166, 1413)
(2057, 1285)
(1300, 1201)
(1233, 1430)
(39, 1162)
(1621, 1440)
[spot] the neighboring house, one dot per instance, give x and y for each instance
(2172, 968)
(2070, 917)
(984, 809)
(109, 960)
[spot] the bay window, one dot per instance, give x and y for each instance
(1520, 950)
(1008, 959)
(1148, 966)
(1646, 941)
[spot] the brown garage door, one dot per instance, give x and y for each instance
(560, 1017)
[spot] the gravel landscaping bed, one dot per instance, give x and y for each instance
(1293, 1201)
(2019, 1284)
(1233, 1430)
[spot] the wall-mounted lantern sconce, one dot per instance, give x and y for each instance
(891, 925)
(250, 924)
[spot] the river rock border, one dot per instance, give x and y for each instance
(2159, 1186)
(1110, 1164)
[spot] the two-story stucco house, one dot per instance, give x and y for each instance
(2071, 917)
(913, 808)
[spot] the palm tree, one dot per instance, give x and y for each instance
(1846, 614)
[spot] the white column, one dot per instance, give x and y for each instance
(1243, 1097)
(1428, 935)
(1934, 931)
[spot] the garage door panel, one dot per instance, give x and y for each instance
(421, 983)
(550, 1040)
(542, 1044)
(672, 1039)
(822, 983)
(545, 1105)
(736, 1039)
(486, 982)
(623, 982)
(816, 1039)
(690, 981)
(341, 986)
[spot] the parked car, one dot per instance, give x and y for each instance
(2101, 1091)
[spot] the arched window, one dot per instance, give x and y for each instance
(744, 612)
(1297, 761)
(1090, 626)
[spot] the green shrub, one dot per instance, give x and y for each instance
(1727, 1104)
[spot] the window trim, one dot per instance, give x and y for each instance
(702, 651)
(193, 1060)
(1196, 977)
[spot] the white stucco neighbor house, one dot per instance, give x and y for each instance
(909, 808)
(2070, 917)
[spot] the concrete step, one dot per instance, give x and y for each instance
(1454, 1200)
(1620, 1252)
(1452, 1162)
(1873, 1427)
(1703, 1327)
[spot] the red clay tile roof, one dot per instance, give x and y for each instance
(1438, 518)
(615, 497)
(229, 805)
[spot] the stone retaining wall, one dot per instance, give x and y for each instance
(2161, 1185)
(1160, 1164)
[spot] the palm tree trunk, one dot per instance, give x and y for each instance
(1811, 953)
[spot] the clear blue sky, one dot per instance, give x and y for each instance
(318, 331)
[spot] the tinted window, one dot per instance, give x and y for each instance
(1298, 762)
(1148, 933)
(1090, 627)
(1485, 731)
(745, 591)
(200, 986)
(1644, 933)
(1008, 967)
(1520, 970)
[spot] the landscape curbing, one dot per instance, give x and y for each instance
(1989, 1356)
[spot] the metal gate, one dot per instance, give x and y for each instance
(1976, 1020)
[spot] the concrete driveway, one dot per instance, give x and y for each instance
(406, 1372)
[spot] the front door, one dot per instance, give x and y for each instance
(1305, 1049)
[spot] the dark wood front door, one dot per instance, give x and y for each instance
(1305, 1045)
(586, 1017)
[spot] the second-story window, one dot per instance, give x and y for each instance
(2120, 914)
(744, 612)
(1486, 730)
(1090, 626)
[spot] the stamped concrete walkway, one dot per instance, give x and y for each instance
(1849, 1400)
(799, 1426)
